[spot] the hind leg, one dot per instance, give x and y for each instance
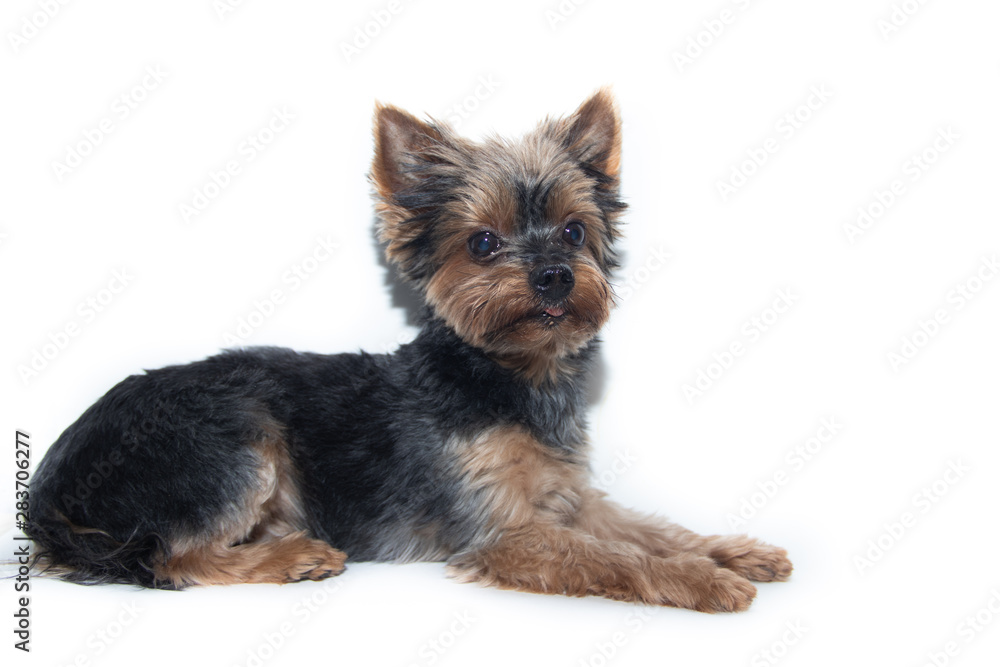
(281, 560)
(179, 466)
(262, 540)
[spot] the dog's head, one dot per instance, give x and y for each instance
(510, 242)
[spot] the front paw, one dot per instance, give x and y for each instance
(728, 591)
(752, 559)
(696, 582)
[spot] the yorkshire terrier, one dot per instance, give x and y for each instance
(467, 445)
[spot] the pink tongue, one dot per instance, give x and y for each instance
(555, 312)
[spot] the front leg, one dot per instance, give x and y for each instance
(557, 560)
(525, 500)
(744, 555)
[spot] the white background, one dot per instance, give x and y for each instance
(887, 91)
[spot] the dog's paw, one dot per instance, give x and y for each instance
(696, 582)
(753, 559)
(728, 591)
(315, 562)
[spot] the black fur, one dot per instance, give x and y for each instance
(170, 458)
(367, 435)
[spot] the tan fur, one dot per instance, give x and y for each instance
(522, 514)
(281, 509)
(281, 560)
(490, 303)
(558, 560)
(748, 557)
(596, 125)
(493, 307)
(263, 539)
(544, 530)
(518, 481)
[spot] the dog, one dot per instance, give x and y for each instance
(467, 445)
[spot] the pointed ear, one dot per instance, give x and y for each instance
(398, 136)
(594, 133)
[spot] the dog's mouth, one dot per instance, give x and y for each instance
(553, 314)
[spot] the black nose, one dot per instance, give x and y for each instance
(553, 282)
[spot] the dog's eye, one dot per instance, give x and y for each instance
(574, 234)
(484, 244)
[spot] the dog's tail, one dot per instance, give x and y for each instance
(90, 556)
